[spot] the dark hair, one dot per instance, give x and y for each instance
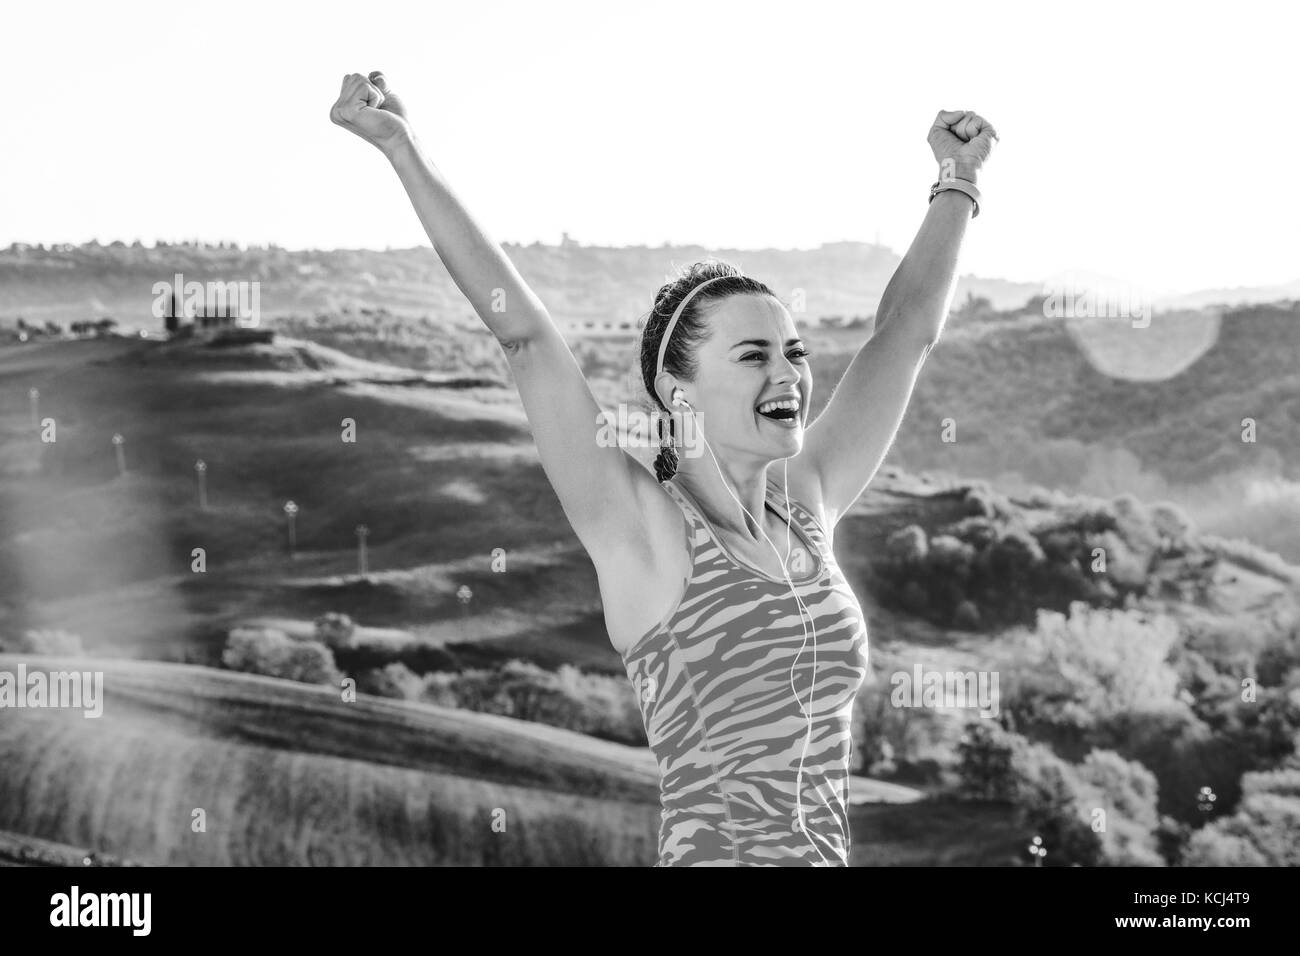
(690, 330)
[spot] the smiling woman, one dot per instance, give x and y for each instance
(746, 660)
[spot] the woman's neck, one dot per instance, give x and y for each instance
(706, 486)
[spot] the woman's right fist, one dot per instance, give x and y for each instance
(369, 108)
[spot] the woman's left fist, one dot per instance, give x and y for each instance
(961, 141)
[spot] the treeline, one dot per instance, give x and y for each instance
(994, 568)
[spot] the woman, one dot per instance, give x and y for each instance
(745, 659)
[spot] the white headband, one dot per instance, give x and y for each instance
(672, 323)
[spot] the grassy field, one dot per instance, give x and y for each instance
(442, 478)
(287, 774)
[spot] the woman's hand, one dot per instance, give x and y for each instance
(961, 141)
(368, 108)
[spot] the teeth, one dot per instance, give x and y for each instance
(784, 403)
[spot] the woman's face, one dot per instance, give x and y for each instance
(753, 356)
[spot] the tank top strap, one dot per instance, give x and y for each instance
(799, 512)
(699, 528)
(711, 548)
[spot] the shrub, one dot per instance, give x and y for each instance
(272, 653)
(1040, 497)
(593, 704)
(1182, 752)
(979, 502)
(1128, 506)
(978, 532)
(1129, 793)
(1051, 799)
(310, 663)
(906, 545)
(394, 680)
(1094, 518)
(1265, 831)
(50, 642)
(1124, 567)
(905, 738)
(1071, 671)
(1214, 846)
(1056, 807)
(985, 757)
(1064, 545)
(1015, 555)
(967, 616)
(334, 630)
(1171, 522)
(950, 557)
(914, 597)
(1136, 525)
(1277, 658)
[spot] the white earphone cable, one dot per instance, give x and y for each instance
(812, 686)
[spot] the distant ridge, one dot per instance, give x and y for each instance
(64, 283)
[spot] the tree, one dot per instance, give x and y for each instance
(54, 643)
(1129, 793)
(394, 680)
(334, 629)
(272, 653)
(985, 757)
(1265, 831)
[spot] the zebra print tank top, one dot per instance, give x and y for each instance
(712, 681)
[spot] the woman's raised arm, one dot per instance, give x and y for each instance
(847, 443)
(604, 490)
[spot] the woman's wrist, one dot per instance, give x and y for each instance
(399, 147)
(964, 171)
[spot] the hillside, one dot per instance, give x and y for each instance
(443, 474)
(576, 282)
(1103, 409)
(288, 774)
(65, 283)
(1029, 397)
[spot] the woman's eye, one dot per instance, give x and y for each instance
(797, 353)
(801, 353)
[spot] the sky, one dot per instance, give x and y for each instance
(1145, 141)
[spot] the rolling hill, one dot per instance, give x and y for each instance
(286, 774)
(577, 283)
(444, 475)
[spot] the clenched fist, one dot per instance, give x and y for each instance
(369, 108)
(961, 141)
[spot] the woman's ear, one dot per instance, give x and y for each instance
(666, 388)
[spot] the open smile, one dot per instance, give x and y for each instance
(781, 411)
